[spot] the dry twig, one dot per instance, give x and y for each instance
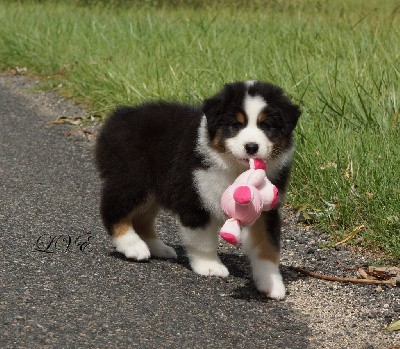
(391, 282)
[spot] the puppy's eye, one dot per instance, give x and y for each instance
(236, 124)
(266, 125)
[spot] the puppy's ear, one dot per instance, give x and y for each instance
(292, 112)
(213, 106)
(230, 98)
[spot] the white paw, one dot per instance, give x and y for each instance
(268, 279)
(274, 289)
(160, 250)
(132, 246)
(209, 268)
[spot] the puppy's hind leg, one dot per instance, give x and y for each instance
(116, 212)
(128, 242)
(143, 223)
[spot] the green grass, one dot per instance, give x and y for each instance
(339, 59)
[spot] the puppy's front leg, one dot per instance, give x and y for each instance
(261, 245)
(201, 247)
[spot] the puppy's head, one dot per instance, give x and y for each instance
(251, 120)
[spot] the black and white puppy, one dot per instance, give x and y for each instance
(181, 158)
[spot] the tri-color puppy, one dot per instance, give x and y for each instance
(181, 158)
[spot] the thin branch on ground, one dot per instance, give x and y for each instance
(391, 282)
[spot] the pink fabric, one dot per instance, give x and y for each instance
(230, 231)
(245, 213)
(259, 164)
(228, 237)
(242, 195)
(275, 200)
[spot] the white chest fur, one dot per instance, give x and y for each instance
(210, 184)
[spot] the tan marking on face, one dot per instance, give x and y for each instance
(241, 118)
(260, 240)
(217, 142)
(261, 117)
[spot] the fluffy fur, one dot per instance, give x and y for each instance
(181, 158)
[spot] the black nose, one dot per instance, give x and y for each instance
(251, 148)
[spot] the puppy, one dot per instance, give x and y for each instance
(181, 158)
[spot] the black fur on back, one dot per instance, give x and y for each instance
(140, 151)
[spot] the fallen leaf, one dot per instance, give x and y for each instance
(395, 326)
(363, 273)
(77, 120)
(330, 205)
(305, 214)
(21, 70)
(95, 119)
(351, 235)
(384, 273)
(347, 172)
(304, 217)
(16, 71)
(328, 165)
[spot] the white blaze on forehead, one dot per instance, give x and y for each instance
(250, 83)
(253, 105)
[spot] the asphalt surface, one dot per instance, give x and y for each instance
(69, 298)
(63, 286)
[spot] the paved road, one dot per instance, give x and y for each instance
(62, 286)
(92, 298)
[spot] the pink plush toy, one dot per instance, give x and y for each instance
(245, 199)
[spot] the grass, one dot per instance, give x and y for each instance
(339, 59)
